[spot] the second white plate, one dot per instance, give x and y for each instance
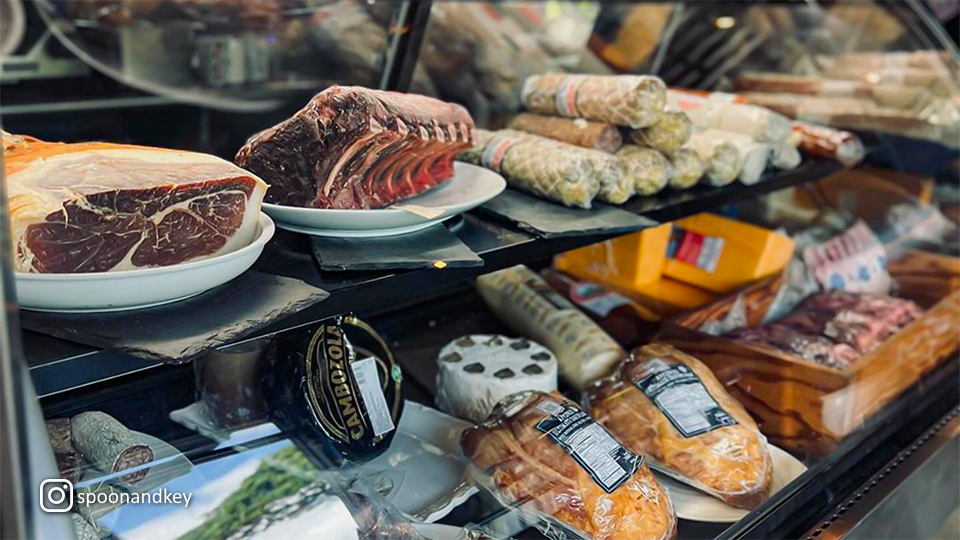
(695, 505)
(470, 187)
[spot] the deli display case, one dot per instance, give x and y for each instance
(464, 270)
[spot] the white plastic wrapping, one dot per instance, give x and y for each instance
(719, 111)
(531, 308)
(721, 159)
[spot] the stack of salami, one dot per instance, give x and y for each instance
(586, 137)
(834, 328)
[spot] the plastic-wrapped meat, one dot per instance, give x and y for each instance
(576, 131)
(352, 147)
(834, 328)
(817, 349)
(862, 321)
(668, 135)
(648, 169)
(686, 169)
(615, 184)
(536, 165)
(626, 100)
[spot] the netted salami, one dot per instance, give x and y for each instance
(635, 101)
(686, 169)
(537, 165)
(615, 185)
(576, 131)
(648, 169)
(668, 135)
(109, 446)
(58, 431)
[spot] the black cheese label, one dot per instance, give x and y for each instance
(592, 446)
(677, 391)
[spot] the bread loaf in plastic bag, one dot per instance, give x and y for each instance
(546, 459)
(668, 406)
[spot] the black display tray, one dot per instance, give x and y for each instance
(57, 365)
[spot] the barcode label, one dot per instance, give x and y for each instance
(592, 446)
(681, 396)
(365, 373)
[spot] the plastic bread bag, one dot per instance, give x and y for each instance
(615, 185)
(543, 457)
(721, 159)
(537, 166)
(648, 169)
(720, 111)
(669, 406)
(785, 156)
(686, 169)
(527, 304)
(634, 101)
(576, 131)
(668, 135)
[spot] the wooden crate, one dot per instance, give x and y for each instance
(807, 408)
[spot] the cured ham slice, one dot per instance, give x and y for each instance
(353, 147)
(99, 207)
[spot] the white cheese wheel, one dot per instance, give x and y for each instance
(477, 371)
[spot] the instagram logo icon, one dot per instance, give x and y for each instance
(56, 495)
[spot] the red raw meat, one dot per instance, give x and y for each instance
(99, 207)
(353, 147)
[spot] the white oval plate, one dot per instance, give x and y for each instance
(96, 292)
(470, 187)
(695, 505)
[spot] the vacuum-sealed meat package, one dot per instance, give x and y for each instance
(668, 135)
(648, 169)
(532, 309)
(544, 457)
(669, 406)
(536, 165)
(841, 146)
(576, 131)
(634, 101)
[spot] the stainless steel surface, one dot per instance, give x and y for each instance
(910, 497)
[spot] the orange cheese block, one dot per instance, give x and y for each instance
(720, 254)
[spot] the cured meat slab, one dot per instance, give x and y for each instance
(99, 207)
(355, 148)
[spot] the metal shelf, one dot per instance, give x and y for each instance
(60, 366)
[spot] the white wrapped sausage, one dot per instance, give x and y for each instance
(528, 306)
(720, 112)
(721, 159)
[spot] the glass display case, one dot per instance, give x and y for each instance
(663, 269)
